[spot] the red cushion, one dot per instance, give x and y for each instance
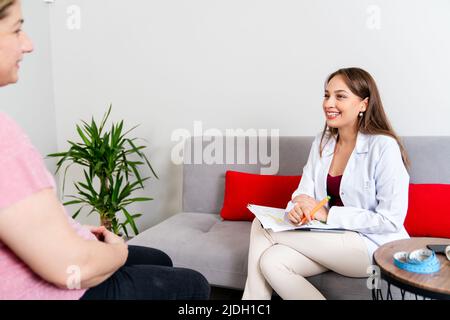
(428, 210)
(264, 190)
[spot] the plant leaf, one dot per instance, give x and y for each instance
(130, 220)
(77, 212)
(85, 140)
(105, 117)
(68, 203)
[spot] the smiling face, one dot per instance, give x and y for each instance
(14, 43)
(341, 106)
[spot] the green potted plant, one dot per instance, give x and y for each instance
(111, 162)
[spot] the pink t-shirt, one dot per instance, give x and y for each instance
(23, 173)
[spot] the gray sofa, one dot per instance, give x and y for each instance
(198, 238)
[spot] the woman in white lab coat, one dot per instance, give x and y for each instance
(361, 164)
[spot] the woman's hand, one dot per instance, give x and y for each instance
(296, 214)
(305, 205)
(105, 235)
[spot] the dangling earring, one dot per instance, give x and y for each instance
(361, 114)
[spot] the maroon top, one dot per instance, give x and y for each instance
(333, 186)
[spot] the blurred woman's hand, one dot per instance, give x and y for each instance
(48, 258)
(105, 235)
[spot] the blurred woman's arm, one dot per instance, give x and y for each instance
(37, 230)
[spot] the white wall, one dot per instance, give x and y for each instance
(242, 64)
(30, 101)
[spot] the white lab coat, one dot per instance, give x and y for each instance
(374, 188)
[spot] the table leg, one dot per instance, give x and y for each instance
(389, 292)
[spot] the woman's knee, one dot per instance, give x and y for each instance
(164, 258)
(147, 255)
(269, 261)
(280, 258)
(199, 283)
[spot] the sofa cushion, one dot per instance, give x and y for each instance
(204, 242)
(265, 190)
(428, 212)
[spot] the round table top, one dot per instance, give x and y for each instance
(438, 282)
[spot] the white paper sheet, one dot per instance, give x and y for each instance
(276, 220)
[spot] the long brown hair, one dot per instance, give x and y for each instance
(374, 119)
(4, 5)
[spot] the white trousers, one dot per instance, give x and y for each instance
(282, 260)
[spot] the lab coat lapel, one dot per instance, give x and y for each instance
(361, 147)
(350, 172)
(327, 157)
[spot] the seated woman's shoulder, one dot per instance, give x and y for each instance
(10, 132)
(383, 140)
(7, 123)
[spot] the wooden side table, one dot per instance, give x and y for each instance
(434, 285)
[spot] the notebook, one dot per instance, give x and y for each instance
(276, 220)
